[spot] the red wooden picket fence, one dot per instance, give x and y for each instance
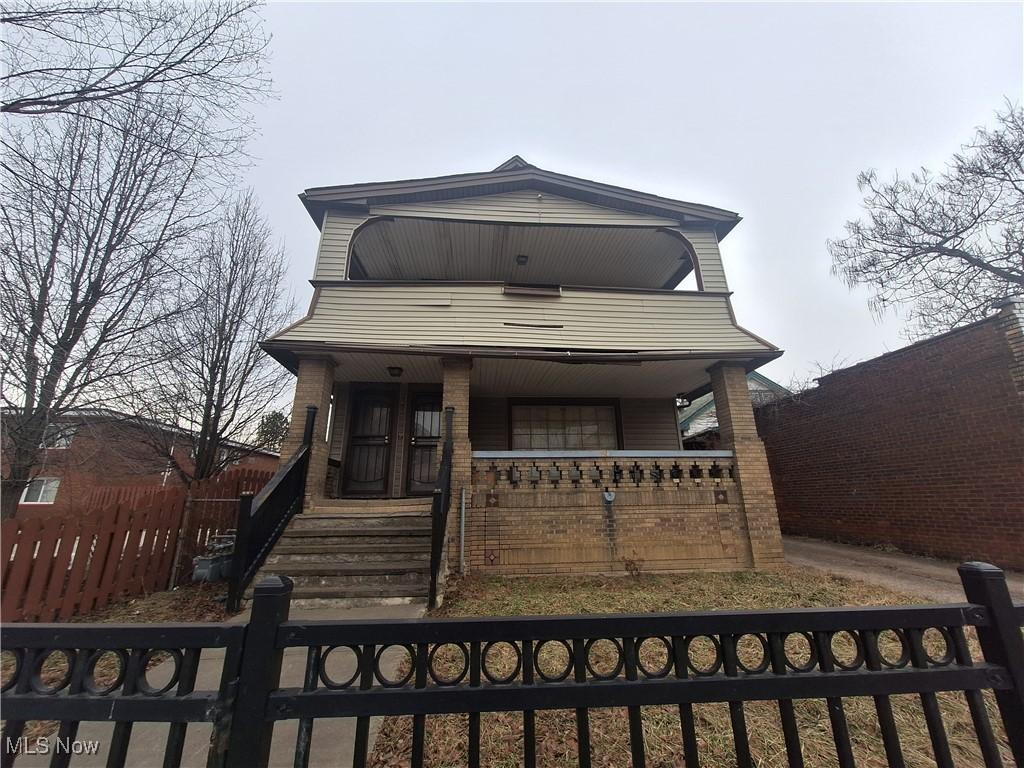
(124, 544)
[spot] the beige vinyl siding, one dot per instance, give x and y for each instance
(649, 424)
(481, 315)
(488, 423)
(524, 206)
(335, 236)
(709, 259)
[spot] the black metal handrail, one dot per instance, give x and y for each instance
(262, 520)
(439, 507)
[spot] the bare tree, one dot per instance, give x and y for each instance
(216, 383)
(93, 216)
(61, 55)
(948, 245)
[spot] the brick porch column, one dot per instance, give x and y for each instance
(455, 393)
(738, 431)
(313, 387)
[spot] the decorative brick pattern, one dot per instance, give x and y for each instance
(921, 448)
(313, 387)
(534, 517)
(739, 433)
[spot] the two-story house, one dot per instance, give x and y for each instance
(543, 309)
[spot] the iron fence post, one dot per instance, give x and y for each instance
(307, 428)
(307, 440)
(243, 529)
(259, 675)
(1001, 643)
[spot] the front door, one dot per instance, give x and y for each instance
(424, 442)
(369, 444)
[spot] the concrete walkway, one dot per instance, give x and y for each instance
(922, 577)
(332, 738)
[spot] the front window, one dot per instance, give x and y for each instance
(57, 436)
(567, 426)
(42, 490)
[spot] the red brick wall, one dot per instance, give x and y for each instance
(106, 454)
(922, 449)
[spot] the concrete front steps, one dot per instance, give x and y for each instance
(356, 552)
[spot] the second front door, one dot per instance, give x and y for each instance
(368, 458)
(424, 442)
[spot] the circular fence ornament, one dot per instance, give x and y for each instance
(847, 649)
(599, 667)
(493, 674)
(386, 681)
(647, 652)
(752, 653)
(145, 686)
(538, 661)
(436, 676)
(703, 654)
(799, 650)
(52, 670)
(335, 655)
(96, 664)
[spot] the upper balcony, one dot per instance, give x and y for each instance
(516, 224)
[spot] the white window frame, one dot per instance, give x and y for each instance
(46, 481)
(64, 433)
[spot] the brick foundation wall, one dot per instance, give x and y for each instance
(541, 525)
(922, 449)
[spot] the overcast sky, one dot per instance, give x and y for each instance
(767, 110)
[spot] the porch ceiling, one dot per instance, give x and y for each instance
(538, 378)
(412, 248)
(504, 377)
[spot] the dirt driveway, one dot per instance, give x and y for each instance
(919, 576)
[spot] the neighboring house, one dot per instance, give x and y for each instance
(92, 449)
(921, 448)
(698, 421)
(540, 307)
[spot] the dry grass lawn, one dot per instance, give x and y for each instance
(501, 733)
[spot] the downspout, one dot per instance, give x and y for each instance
(462, 530)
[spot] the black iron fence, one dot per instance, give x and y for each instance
(545, 663)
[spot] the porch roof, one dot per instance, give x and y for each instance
(535, 373)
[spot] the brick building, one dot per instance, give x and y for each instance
(921, 448)
(94, 449)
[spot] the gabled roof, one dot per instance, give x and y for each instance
(514, 163)
(512, 175)
(706, 402)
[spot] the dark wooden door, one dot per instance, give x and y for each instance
(424, 442)
(368, 458)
